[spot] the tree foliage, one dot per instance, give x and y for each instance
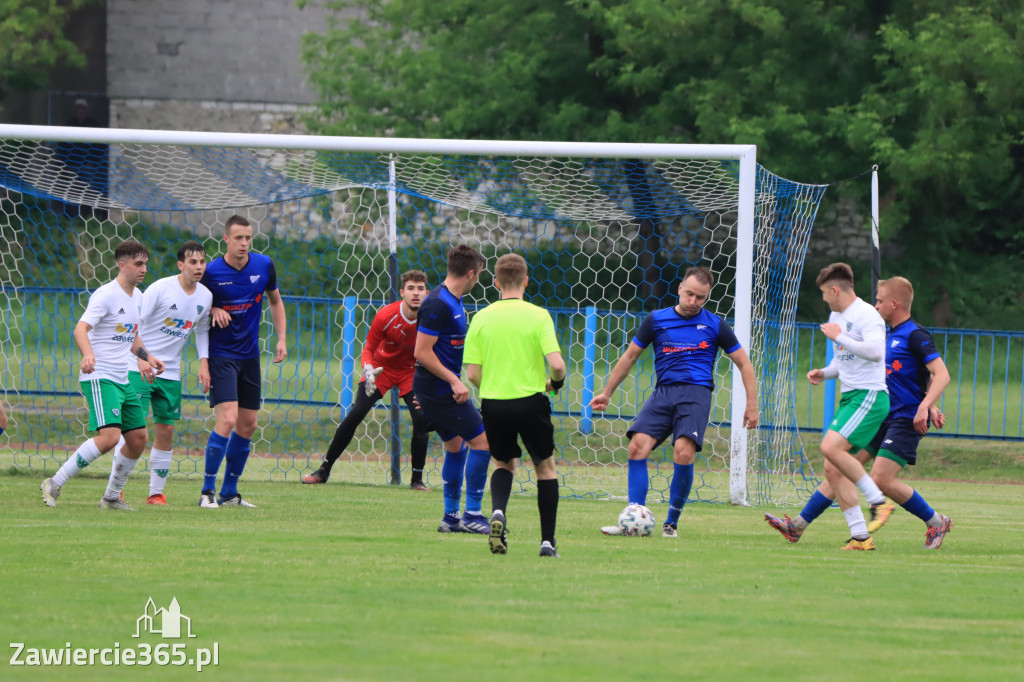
(32, 41)
(930, 91)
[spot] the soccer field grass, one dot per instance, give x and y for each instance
(353, 582)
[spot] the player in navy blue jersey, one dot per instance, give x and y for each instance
(685, 340)
(238, 281)
(437, 383)
(916, 376)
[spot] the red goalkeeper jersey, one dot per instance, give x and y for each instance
(391, 341)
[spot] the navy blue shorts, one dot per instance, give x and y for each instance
(675, 410)
(234, 380)
(899, 437)
(450, 419)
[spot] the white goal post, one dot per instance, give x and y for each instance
(607, 230)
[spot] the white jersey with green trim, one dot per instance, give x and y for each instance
(169, 317)
(114, 317)
(861, 322)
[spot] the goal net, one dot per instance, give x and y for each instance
(607, 231)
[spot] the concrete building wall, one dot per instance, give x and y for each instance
(209, 65)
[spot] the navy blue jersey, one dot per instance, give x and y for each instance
(442, 315)
(239, 292)
(908, 349)
(685, 348)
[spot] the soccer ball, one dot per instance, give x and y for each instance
(636, 520)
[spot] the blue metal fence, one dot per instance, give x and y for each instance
(985, 399)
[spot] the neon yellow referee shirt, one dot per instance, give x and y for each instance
(509, 340)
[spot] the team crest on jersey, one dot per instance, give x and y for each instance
(254, 278)
(895, 342)
(849, 326)
(199, 309)
(116, 412)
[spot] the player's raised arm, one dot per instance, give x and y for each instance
(280, 320)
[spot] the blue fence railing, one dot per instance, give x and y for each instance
(985, 399)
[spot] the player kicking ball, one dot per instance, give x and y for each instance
(387, 362)
(173, 308)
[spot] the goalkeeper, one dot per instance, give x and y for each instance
(387, 362)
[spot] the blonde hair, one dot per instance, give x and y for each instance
(900, 289)
(510, 271)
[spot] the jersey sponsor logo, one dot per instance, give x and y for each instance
(685, 349)
(254, 278)
(177, 324)
(225, 284)
(237, 307)
(126, 328)
(457, 342)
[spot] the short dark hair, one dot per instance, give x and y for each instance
(235, 220)
(701, 274)
(191, 246)
(510, 271)
(839, 274)
(413, 276)
(464, 258)
(130, 250)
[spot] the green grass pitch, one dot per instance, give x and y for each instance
(350, 582)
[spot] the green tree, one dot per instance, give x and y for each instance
(32, 41)
(930, 91)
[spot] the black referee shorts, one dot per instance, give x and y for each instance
(528, 418)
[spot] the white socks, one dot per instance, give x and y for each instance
(159, 467)
(119, 476)
(870, 490)
(855, 520)
(86, 453)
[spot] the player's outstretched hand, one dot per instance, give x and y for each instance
(370, 374)
(600, 402)
(281, 351)
(815, 376)
(220, 317)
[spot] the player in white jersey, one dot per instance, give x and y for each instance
(108, 329)
(857, 333)
(172, 309)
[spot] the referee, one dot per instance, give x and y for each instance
(506, 347)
